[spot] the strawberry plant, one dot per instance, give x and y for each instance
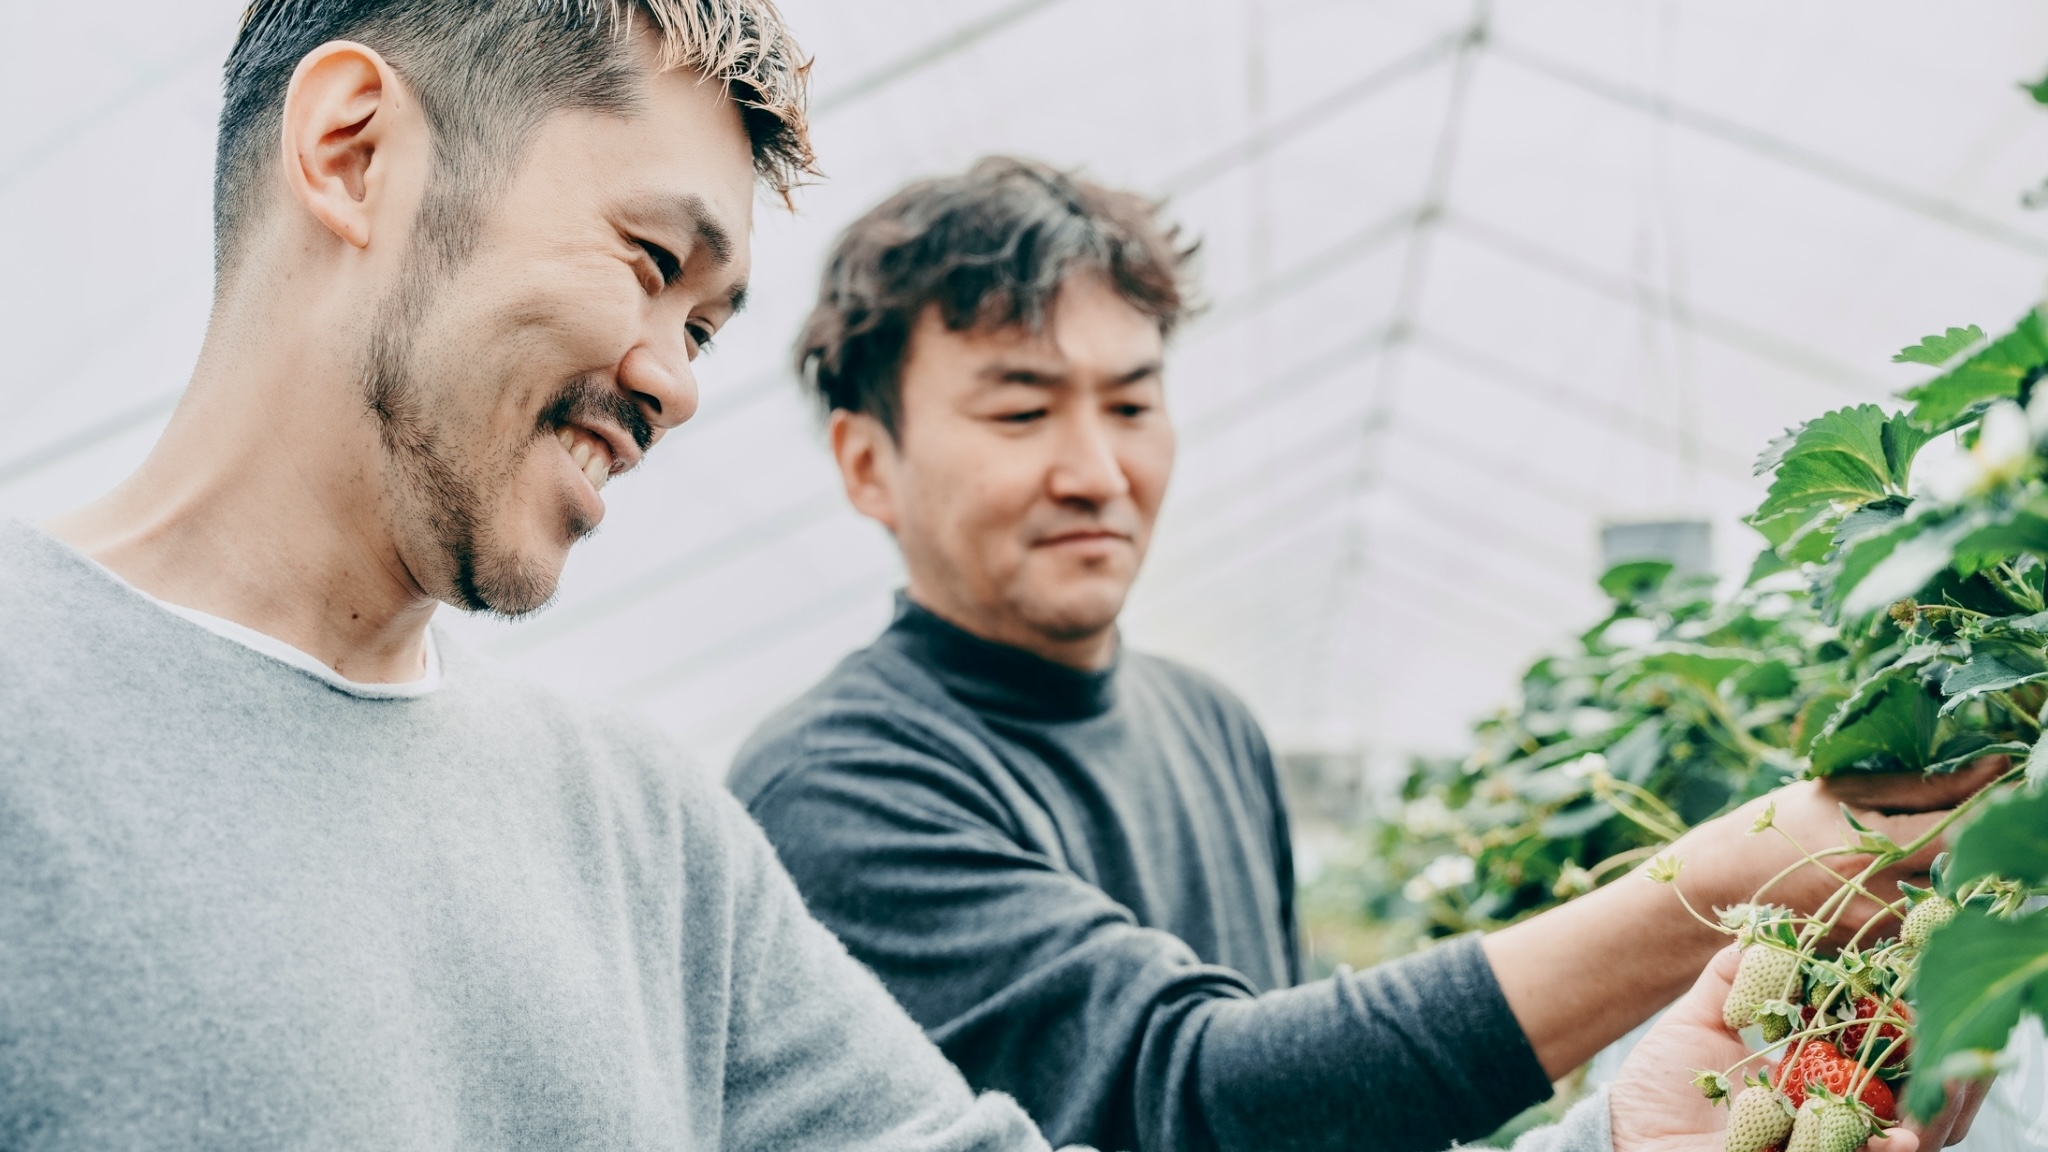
(1674, 708)
(1934, 593)
(1897, 621)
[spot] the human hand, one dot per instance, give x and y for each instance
(1654, 1107)
(1727, 863)
(1954, 1122)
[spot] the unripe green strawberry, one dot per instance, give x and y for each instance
(1828, 1126)
(1759, 1119)
(1924, 918)
(1775, 1027)
(1767, 973)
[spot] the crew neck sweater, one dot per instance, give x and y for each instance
(1080, 883)
(245, 907)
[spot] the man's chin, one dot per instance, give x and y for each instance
(508, 583)
(1076, 616)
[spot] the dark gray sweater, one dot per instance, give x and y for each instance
(1080, 884)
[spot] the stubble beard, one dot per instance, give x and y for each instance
(434, 484)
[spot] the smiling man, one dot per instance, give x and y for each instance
(280, 867)
(1070, 861)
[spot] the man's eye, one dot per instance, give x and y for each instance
(665, 261)
(701, 334)
(1130, 411)
(1021, 417)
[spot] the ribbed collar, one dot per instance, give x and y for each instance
(997, 678)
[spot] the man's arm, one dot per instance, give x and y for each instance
(816, 1055)
(1581, 976)
(1037, 984)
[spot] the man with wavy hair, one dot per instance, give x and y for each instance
(280, 866)
(1070, 861)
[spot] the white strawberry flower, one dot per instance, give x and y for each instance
(1427, 817)
(1589, 765)
(2037, 416)
(2005, 444)
(1451, 871)
(2003, 452)
(1443, 874)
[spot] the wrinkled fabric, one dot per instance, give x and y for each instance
(243, 908)
(1080, 883)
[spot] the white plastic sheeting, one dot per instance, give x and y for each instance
(1483, 280)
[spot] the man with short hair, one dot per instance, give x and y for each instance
(281, 867)
(1071, 861)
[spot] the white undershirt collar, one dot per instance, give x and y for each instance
(265, 644)
(284, 653)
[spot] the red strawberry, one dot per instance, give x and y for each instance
(1819, 1062)
(1869, 1008)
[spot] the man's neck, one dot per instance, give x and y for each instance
(1090, 653)
(251, 511)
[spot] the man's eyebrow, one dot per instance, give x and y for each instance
(1043, 375)
(1140, 374)
(688, 213)
(736, 300)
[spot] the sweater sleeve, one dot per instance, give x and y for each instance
(815, 1053)
(1039, 985)
(1584, 1129)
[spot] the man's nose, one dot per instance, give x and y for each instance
(657, 376)
(1087, 469)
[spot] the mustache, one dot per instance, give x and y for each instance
(1112, 518)
(585, 401)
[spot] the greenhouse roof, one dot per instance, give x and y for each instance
(1482, 280)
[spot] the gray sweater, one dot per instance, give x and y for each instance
(1080, 884)
(244, 908)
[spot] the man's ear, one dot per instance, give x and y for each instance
(341, 114)
(867, 465)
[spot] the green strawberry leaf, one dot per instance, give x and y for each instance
(1767, 564)
(1816, 539)
(1770, 680)
(1819, 480)
(1977, 977)
(1934, 351)
(1888, 725)
(1893, 563)
(2010, 840)
(1813, 719)
(1903, 440)
(2034, 627)
(2037, 763)
(1994, 372)
(1635, 580)
(1946, 761)
(1705, 668)
(1636, 755)
(1873, 517)
(2038, 90)
(1993, 666)
(1856, 432)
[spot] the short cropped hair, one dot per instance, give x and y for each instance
(988, 249)
(487, 72)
